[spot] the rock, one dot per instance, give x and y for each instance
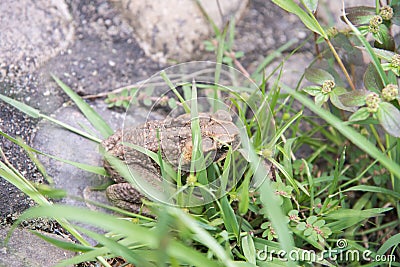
(175, 29)
(26, 249)
(32, 32)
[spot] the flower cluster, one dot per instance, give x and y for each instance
(372, 101)
(390, 92)
(374, 23)
(395, 61)
(386, 12)
(327, 86)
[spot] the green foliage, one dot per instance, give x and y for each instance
(338, 179)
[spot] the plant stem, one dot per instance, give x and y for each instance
(340, 64)
(376, 135)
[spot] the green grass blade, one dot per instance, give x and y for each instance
(374, 189)
(345, 218)
(393, 241)
(351, 134)
(63, 244)
(18, 180)
(82, 166)
(308, 20)
(92, 116)
(173, 88)
(116, 248)
(139, 234)
(34, 113)
(84, 257)
(203, 236)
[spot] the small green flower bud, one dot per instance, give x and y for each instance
(191, 180)
(390, 92)
(234, 196)
(285, 116)
(376, 21)
(364, 132)
(395, 61)
(372, 101)
(386, 12)
(327, 86)
(373, 29)
(267, 153)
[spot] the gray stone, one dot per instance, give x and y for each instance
(27, 250)
(31, 32)
(293, 68)
(175, 29)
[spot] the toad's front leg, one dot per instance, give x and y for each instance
(125, 196)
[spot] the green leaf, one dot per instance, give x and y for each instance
(318, 76)
(319, 223)
(321, 99)
(312, 90)
(92, 116)
(360, 14)
(384, 54)
(249, 250)
(389, 117)
(353, 98)
(244, 195)
(312, 219)
(372, 80)
(229, 217)
(370, 51)
(308, 20)
(396, 12)
(335, 100)
(301, 226)
(347, 49)
(384, 39)
(360, 115)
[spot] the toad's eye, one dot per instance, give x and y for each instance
(224, 147)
